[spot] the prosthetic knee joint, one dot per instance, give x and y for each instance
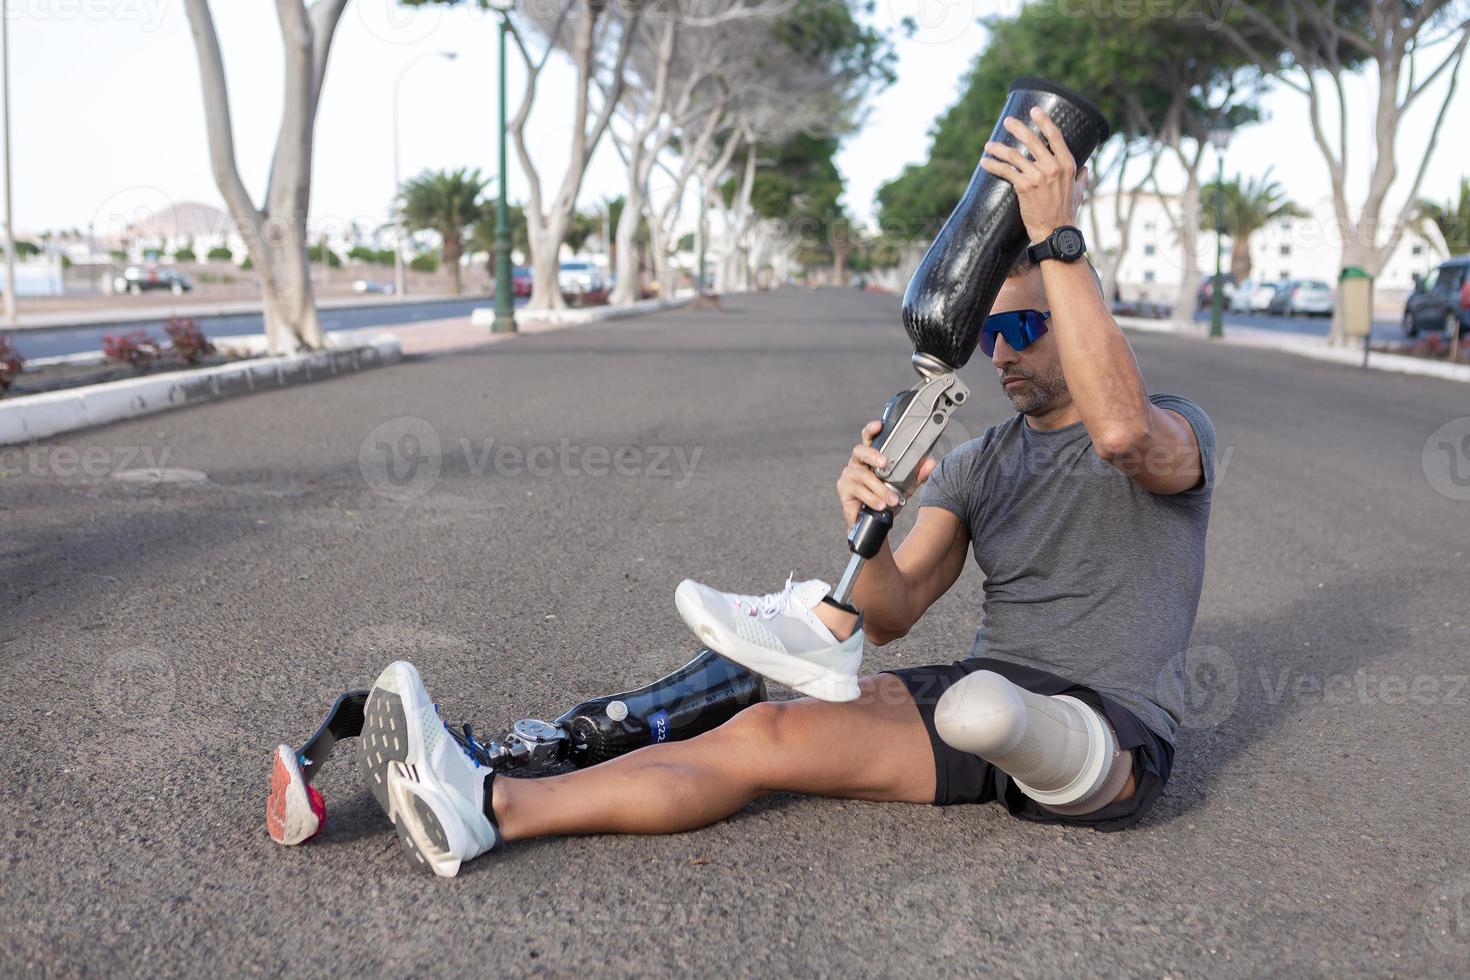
(1060, 751)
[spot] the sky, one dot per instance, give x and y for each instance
(107, 120)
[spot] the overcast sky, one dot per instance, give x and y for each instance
(107, 118)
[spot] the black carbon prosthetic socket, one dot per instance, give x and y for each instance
(951, 292)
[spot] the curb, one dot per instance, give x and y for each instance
(485, 316)
(1315, 349)
(85, 320)
(40, 416)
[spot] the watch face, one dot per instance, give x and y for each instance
(1069, 243)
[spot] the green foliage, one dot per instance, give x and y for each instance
(372, 256)
(445, 201)
(1242, 210)
(1143, 72)
(247, 263)
(1451, 218)
(314, 254)
(185, 254)
(426, 262)
(220, 254)
(118, 255)
(482, 233)
(24, 248)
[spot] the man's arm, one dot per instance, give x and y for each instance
(894, 589)
(1155, 447)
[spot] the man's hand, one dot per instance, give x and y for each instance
(859, 482)
(1048, 183)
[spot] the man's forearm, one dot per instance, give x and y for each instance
(1102, 374)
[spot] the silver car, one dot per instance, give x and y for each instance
(1253, 296)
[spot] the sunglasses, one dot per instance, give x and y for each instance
(1020, 328)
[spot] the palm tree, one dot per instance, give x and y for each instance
(482, 234)
(1452, 219)
(446, 201)
(1246, 208)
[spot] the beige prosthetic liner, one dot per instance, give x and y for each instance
(1060, 751)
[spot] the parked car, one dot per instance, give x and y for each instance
(1297, 297)
(141, 278)
(1440, 299)
(521, 281)
(580, 278)
(367, 286)
(1206, 292)
(1254, 296)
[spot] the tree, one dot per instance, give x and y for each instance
(220, 254)
(482, 234)
(275, 232)
(1451, 220)
(1242, 210)
(185, 254)
(1312, 47)
(447, 202)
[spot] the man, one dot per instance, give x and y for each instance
(1087, 512)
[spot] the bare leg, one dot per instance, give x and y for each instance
(874, 748)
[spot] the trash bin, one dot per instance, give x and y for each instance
(1355, 301)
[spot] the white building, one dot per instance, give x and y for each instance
(1292, 248)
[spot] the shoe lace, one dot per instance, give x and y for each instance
(776, 603)
(465, 739)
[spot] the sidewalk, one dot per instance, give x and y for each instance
(143, 314)
(1302, 345)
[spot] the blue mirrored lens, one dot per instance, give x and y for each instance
(1020, 328)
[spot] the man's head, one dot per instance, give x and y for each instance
(1032, 378)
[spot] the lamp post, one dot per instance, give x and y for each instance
(5, 105)
(1219, 137)
(505, 318)
(398, 290)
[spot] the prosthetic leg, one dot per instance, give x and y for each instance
(698, 697)
(1060, 751)
(945, 306)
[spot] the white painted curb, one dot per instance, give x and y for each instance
(1314, 348)
(485, 317)
(41, 416)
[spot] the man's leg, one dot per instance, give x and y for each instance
(874, 748)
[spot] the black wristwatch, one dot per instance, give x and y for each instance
(1064, 243)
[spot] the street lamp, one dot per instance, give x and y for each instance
(9, 220)
(398, 291)
(1219, 138)
(505, 318)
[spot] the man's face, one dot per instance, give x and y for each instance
(1032, 378)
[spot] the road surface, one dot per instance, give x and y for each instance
(160, 639)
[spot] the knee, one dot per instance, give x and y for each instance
(761, 726)
(982, 713)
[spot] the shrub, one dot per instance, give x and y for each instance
(186, 340)
(372, 256)
(220, 254)
(185, 255)
(245, 263)
(135, 348)
(314, 254)
(11, 363)
(118, 255)
(428, 262)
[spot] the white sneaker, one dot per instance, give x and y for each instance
(430, 785)
(778, 636)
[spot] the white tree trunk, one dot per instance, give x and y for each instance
(275, 235)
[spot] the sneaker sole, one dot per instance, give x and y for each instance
(389, 742)
(418, 824)
(290, 818)
(822, 683)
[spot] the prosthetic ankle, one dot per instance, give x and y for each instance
(701, 695)
(1059, 751)
(947, 300)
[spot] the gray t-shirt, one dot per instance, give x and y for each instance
(1087, 574)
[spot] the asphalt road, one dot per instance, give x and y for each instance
(1314, 326)
(77, 340)
(160, 639)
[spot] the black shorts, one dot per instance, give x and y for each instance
(960, 777)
